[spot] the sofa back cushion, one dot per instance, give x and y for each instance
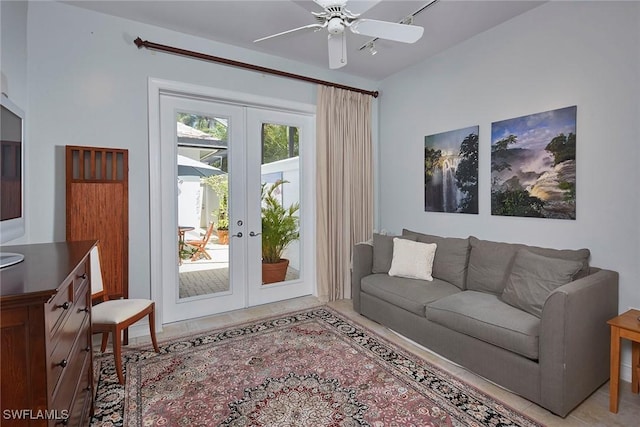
(383, 252)
(490, 263)
(533, 278)
(450, 262)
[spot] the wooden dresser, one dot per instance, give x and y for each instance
(45, 321)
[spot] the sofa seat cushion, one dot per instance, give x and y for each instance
(409, 294)
(483, 316)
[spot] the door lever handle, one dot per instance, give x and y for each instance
(237, 235)
(254, 234)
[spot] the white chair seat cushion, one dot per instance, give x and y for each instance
(117, 311)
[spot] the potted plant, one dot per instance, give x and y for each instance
(280, 227)
(220, 185)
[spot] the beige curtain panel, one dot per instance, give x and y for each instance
(344, 185)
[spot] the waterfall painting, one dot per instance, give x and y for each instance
(451, 171)
(533, 165)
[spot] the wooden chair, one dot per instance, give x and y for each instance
(200, 245)
(115, 316)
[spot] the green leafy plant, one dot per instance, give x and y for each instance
(186, 251)
(280, 225)
(220, 185)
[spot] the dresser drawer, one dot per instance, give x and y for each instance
(81, 278)
(73, 332)
(75, 376)
(57, 309)
(79, 411)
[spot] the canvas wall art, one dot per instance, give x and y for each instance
(451, 171)
(533, 165)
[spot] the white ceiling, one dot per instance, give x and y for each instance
(446, 23)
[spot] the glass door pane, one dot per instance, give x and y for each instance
(280, 204)
(203, 204)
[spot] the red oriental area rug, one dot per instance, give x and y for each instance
(310, 368)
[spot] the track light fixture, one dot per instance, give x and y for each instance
(407, 20)
(371, 47)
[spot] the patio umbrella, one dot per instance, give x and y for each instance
(190, 167)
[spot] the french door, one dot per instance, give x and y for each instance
(215, 159)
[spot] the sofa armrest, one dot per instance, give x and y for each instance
(361, 267)
(574, 339)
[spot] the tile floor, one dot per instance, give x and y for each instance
(594, 411)
(208, 276)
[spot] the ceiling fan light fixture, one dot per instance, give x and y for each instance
(336, 26)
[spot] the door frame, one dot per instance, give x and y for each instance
(156, 87)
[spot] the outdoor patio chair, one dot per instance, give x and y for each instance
(116, 315)
(201, 245)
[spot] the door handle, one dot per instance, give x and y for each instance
(254, 234)
(237, 235)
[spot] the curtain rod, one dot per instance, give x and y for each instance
(164, 48)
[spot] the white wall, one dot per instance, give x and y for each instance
(13, 68)
(557, 55)
(88, 86)
(13, 51)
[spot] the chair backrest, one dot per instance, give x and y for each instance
(207, 235)
(97, 284)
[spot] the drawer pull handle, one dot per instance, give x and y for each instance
(65, 306)
(86, 309)
(83, 276)
(87, 349)
(64, 363)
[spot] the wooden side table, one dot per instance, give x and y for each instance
(626, 325)
(181, 236)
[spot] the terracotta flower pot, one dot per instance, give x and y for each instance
(223, 237)
(275, 272)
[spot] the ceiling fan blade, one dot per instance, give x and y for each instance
(325, 3)
(387, 30)
(358, 7)
(337, 50)
(317, 26)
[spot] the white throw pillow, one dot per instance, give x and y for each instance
(413, 260)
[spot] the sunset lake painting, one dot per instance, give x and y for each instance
(533, 165)
(451, 171)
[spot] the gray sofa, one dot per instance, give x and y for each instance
(480, 311)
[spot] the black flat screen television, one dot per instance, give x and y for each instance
(12, 149)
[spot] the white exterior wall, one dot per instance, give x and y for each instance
(290, 169)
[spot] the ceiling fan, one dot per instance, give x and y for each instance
(336, 18)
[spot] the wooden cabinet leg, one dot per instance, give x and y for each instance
(614, 378)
